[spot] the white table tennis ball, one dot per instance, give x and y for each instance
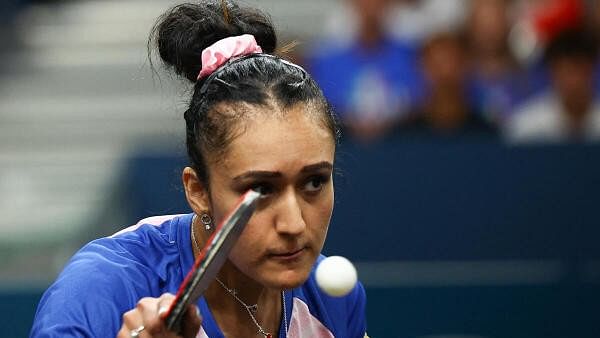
(336, 276)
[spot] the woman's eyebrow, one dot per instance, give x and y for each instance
(265, 174)
(260, 174)
(318, 166)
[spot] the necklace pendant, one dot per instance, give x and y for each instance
(253, 308)
(269, 335)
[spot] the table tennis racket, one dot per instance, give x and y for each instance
(210, 260)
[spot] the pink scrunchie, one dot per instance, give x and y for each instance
(223, 50)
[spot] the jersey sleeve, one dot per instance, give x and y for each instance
(90, 295)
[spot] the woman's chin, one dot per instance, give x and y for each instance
(288, 280)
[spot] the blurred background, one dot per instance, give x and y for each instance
(469, 169)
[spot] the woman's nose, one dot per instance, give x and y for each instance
(289, 219)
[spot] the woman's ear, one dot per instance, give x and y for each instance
(196, 191)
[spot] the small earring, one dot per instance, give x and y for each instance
(206, 220)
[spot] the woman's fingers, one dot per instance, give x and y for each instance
(132, 320)
(191, 322)
(148, 309)
(147, 319)
(164, 302)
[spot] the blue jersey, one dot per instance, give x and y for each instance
(108, 276)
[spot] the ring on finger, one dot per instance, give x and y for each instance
(136, 332)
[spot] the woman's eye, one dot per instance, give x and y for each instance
(263, 189)
(314, 184)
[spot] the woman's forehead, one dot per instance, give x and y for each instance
(267, 141)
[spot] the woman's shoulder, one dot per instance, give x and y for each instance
(156, 231)
(108, 275)
(150, 237)
(149, 247)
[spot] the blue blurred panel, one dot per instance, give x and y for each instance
(486, 312)
(16, 310)
(428, 199)
(152, 185)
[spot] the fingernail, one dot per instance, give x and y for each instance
(197, 311)
(162, 310)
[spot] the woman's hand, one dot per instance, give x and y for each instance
(146, 320)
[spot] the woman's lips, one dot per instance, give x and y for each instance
(289, 255)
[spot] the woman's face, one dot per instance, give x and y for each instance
(289, 159)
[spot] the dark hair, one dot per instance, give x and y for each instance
(572, 43)
(265, 80)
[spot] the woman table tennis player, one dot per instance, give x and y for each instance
(255, 121)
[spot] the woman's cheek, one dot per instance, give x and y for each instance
(250, 241)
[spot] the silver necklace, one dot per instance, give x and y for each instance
(251, 309)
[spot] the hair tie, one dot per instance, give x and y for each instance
(226, 49)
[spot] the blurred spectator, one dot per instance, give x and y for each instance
(551, 17)
(446, 110)
(594, 24)
(535, 23)
(497, 82)
(569, 110)
(415, 20)
(373, 80)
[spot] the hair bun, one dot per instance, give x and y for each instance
(183, 32)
